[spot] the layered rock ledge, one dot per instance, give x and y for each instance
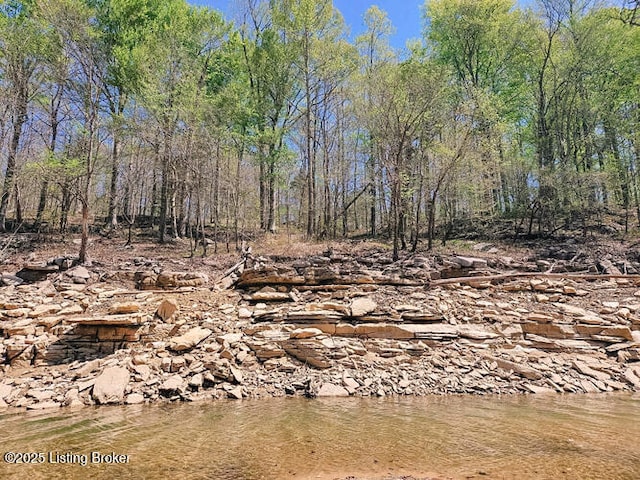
(322, 326)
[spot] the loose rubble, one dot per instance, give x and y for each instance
(329, 325)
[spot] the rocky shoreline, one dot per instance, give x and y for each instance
(326, 325)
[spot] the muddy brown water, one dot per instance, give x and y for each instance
(509, 437)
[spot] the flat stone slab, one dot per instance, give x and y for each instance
(475, 332)
(271, 297)
(435, 331)
(111, 320)
(190, 339)
(520, 369)
(470, 262)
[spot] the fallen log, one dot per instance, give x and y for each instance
(507, 276)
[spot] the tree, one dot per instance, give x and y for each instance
(269, 60)
(408, 99)
(21, 49)
(375, 51)
(485, 43)
(123, 26)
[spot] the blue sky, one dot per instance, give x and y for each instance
(405, 15)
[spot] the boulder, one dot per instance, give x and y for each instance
(362, 306)
(110, 385)
(519, 368)
(172, 386)
(235, 393)
(585, 369)
(79, 272)
(167, 310)
(470, 262)
(46, 309)
(134, 399)
(5, 391)
(190, 339)
(332, 390)
(308, 351)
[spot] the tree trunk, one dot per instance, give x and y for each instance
(164, 188)
(112, 216)
(19, 119)
(42, 202)
(271, 216)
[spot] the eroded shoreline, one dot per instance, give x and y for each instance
(326, 325)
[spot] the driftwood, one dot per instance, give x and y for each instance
(240, 266)
(507, 276)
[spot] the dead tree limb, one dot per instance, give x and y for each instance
(507, 276)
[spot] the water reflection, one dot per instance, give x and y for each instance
(546, 437)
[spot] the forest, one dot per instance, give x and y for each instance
(121, 113)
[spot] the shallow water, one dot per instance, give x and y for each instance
(520, 437)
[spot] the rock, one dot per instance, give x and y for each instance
(174, 385)
(124, 307)
(308, 351)
(384, 330)
(229, 338)
(21, 327)
(350, 383)
(550, 330)
(305, 333)
(177, 364)
(266, 350)
(71, 310)
(244, 313)
(609, 267)
(470, 262)
(519, 368)
(5, 391)
(236, 373)
(181, 279)
(332, 390)
(7, 279)
(190, 339)
(271, 297)
(325, 306)
(632, 375)
(345, 330)
(167, 310)
(539, 390)
(40, 395)
(235, 393)
(79, 272)
(72, 398)
(433, 331)
(110, 385)
(585, 369)
(45, 309)
(196, 381)
(165, 364)
(539, 317)
(362, 306)
(36, 272)
(43, 405)
(134, 399)
(475, 332)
